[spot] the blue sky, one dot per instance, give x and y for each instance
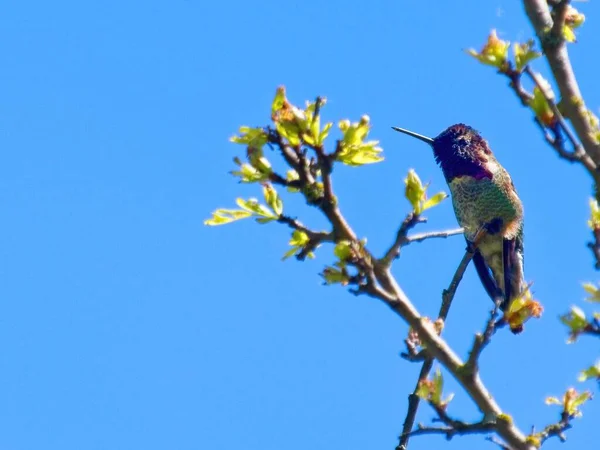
(125, 323)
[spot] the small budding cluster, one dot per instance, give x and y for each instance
(296, 132)
(416, 194)
(578, 323)
(495, 53)
(521, 310)
(573, 20)
(570, 402)
(347, 254)
(431, 391)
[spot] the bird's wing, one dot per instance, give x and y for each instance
(485, 275)
(508, 262)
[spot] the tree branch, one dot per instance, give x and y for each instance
(458, 428)
(381, 284)
(447, 297)
(594, 246)
(555, 49)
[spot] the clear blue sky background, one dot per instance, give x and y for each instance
(125, 323)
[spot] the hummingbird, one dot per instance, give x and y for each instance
(486, 205)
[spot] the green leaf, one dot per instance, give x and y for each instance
(324, 133)
(576, 321)
(292, 175)
(414, 191)
(249, 174)
(435, 200)
(279, 100)
(524, 54)
(594, 222)
(569, 34)
(298, 242)
(343, 250)
(540, 106)
(263, 220)
(253, 206)
(299, 238)
(590, 372)
(290, 131)
(252, 137)
(259, 161)
(333, 275)
(273, 199)
(438, 382)
(424, 390)
(291, 252)
(494, 52)
(359, 155)
(593, 291)
(354, 151)
(223, 216)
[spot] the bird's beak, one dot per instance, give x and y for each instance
(415, 135)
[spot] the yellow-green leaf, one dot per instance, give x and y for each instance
(333, 276)
(569, 34)
(414, 191)
(524, 54)
(494, 52)
(279, 100)
(438, 382)
(552, 401)
(272, 198)
(299, 238)
(291, 252)
(576, 321)
(343, 250)
(255, 207)
(593, 291)
(324, 133)
(223, 216)
(590, 372)
(359, 155)
(252, 137)
(249, 174)
(263, 220)
(292, 175)
(435, 200)
(540, 106)
(594, 222)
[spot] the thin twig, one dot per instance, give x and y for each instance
(409, 222)
(595, 247)
(498, 442)
(482, 340)
(315, 238)
(516, 85)
(420, 237)
(450, 431)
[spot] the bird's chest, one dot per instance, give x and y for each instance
(471, 203)
(479, 203)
